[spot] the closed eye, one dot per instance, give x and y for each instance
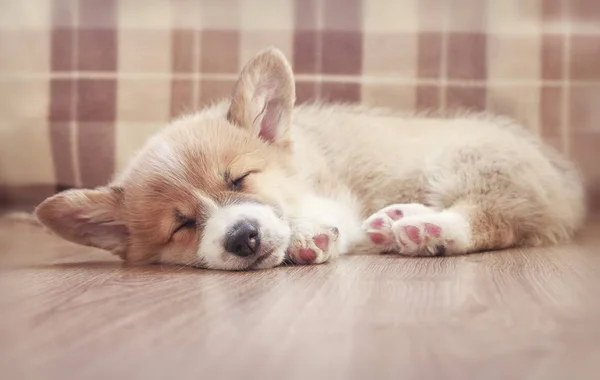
(184, 223)
(238, 183)
(187, 224)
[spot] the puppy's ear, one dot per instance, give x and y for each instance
(87, 217)
(264, 96)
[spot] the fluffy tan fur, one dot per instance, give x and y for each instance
(481, 173)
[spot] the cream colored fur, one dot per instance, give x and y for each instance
(332, 179)
(485, 167)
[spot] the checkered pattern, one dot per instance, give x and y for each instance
(85, 82)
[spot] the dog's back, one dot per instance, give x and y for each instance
(475, 162)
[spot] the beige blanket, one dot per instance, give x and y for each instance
(84, 83)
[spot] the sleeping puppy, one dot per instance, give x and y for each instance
(253, 181)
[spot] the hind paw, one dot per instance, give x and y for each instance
(417, 230)
(379, 225)
(416, 237)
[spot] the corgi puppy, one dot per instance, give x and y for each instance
(254, 181)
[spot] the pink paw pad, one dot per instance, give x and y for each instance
(377, 238)
(395, 214)
(433, 230)
(308, 256)
(413, 234)
(322, 242)
(377, 224)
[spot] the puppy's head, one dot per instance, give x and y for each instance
(209, 190)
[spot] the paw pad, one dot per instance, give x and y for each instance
(377, 224)
(322, 242)
(378, 238)
(413, 234)
(308, 256)
(395, 214)
(433, 230)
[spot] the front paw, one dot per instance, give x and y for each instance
(312, 244)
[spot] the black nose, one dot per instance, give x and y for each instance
(243, 239)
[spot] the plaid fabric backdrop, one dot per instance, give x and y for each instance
(84, 82)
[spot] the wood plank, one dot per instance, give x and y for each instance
(73, 312)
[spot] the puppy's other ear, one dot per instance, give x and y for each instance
(264, 96)
(87, 217)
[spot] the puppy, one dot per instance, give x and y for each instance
(252, 181)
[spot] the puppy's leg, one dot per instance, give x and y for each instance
(416, 230)
(484, 199)
(324, 228)
(379, 225)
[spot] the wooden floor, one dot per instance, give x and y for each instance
(74, 313)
